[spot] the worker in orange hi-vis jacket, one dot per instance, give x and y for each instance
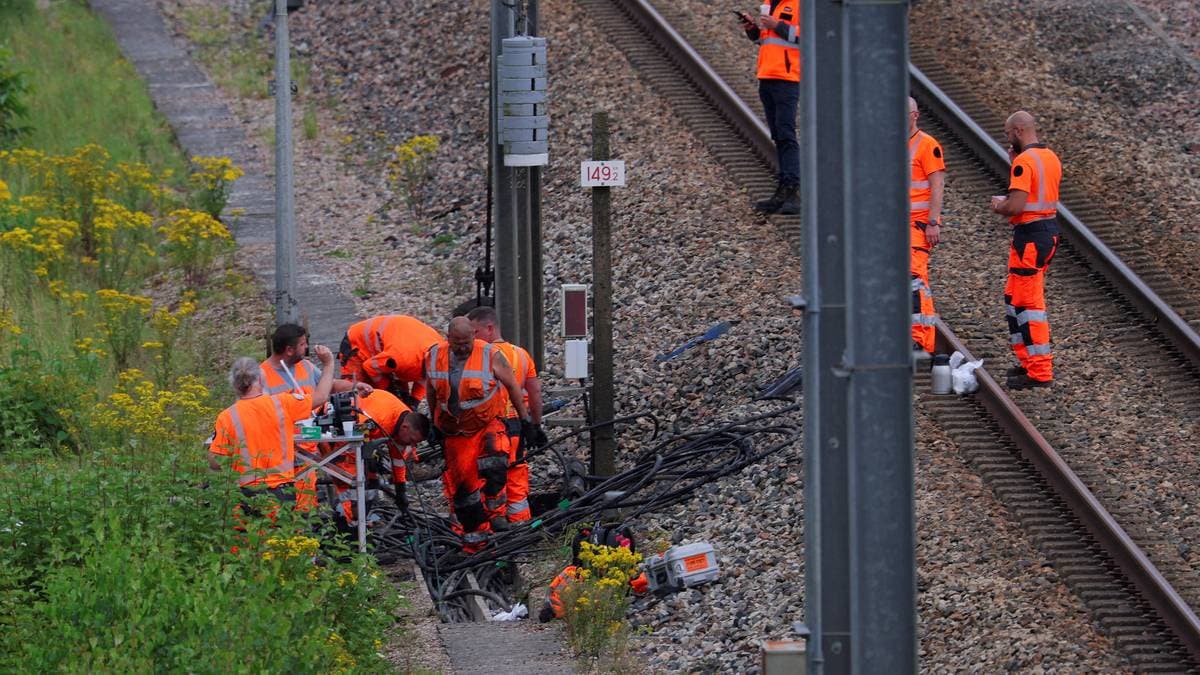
(487, 328)
(468, 386)
(287, 370)
(388, 352)
(925, 192)
(257, 430)
(1032, 209)
(383, 415)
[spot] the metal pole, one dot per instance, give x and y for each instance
(537, 342)
(286, 308)
(603, 439)
(507, 286)
(827, 558)
(360, 492)
(882, 558)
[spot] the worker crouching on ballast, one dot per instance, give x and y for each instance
(382, 417)
(257, 430)
(468, 386)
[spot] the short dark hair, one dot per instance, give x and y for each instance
(417, 421)
(484, 314)
(286, 335)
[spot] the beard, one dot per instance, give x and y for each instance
(1016, 145)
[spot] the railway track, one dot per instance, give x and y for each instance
(1125, 581)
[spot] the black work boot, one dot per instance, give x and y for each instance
(791, 201)
(771, 205)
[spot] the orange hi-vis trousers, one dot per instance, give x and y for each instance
(474, 481)
(923, 316)
(517, 487)
(1033, 247)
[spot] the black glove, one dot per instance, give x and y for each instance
(435, 438)
(540, 440)
(529, 433)
(402, 497)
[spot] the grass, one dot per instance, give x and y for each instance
(84, 90)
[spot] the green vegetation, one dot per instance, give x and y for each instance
(83, 90)
(120, 551)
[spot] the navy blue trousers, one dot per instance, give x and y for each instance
(780, 99)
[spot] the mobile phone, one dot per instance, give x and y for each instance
(742, 16)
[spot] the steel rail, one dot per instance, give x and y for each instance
(1134, 564)
(747, 122)
(1098, 255)
(1129, 558)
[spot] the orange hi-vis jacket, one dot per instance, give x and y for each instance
(385, 410)
(302, 378)
(481, 397)
(522, 366)
(1037, 172)
(925, 154)
(258, 432)
(393, 344)
(779, 54)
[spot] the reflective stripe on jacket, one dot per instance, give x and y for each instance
(258, 432)
(392, 344)
(1037, 172)
(481, 397)
(779, 50)
(303, 378)
(522, 366)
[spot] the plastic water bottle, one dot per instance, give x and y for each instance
(941, 374)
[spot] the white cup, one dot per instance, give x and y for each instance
(348, 428)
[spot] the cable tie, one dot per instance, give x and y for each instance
(562, 506)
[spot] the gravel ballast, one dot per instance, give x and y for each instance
(688, 254)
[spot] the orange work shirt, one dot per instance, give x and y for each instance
(392, 345)
(258, 432)
(522, 366)
(926, 156)
(1036, 172)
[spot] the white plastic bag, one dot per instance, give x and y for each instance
(519, 611)
(962, 374)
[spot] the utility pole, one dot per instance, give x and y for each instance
(286, 307)
(859, 529)
(879, 345)
(827, 512)
(518, 150)
(603, 442)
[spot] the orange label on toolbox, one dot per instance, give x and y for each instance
(695, 562)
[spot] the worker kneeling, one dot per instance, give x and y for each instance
(257, 430)
(468, 386)
(384, 417)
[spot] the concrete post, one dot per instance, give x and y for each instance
(827, 541)
(286, 307)
(882, 520)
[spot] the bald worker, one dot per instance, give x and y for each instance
(1032, 209)
(925, 190)
(468, 387)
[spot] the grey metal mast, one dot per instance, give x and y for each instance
(286, 307)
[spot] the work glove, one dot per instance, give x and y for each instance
(532, 435)
(402, 497)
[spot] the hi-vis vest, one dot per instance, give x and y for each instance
(779, 56)
(303, 378)
(481, 397)
(520, 361)
(392, 345)
(1038, 172)
(266, 458)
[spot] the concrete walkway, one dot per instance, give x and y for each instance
(204, 125)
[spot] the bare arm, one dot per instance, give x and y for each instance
(533, 389)
(937, 188)
(321, 394)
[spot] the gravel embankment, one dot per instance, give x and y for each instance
(684, 260)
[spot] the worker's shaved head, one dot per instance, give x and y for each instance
(1021, 120)
(912, 104)
(1021, 130)
(461, 336)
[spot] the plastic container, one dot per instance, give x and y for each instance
(941, 375)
